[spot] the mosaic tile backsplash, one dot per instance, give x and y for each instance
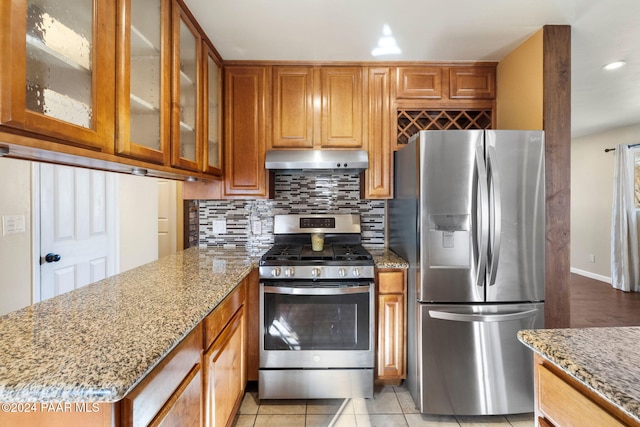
(249, 223)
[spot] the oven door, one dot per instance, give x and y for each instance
(316, 325)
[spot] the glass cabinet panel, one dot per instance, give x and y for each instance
(143, 80)
(185, 138)
(188, 94)
(59, 60)
(58, 74)
(145, 66)
(213, 115)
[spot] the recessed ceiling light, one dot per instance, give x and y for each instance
(386, 44)
(614, 65)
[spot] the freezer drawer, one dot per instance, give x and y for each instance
(472, 362)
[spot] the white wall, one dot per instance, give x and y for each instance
(15, 249)
(138, 217)
(591, 199)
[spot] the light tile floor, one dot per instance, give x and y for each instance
(389, 407)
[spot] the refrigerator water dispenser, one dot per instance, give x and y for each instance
(449, 241)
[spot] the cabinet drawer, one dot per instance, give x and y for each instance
(215, 322)
(391, 282)
(563, 405)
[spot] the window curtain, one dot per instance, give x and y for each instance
(624, 227)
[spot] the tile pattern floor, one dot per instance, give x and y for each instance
(389, 407)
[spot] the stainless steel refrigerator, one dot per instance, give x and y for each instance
(469, 216)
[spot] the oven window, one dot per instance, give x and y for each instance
(313, 322)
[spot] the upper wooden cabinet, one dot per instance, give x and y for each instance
(57, 69)
(419, 82)
(186, 128)
(472, 82)
(143, 79)
(293, 110)
(341, 107)
(245, 131)
(317, 107)
(445, 82)
(212, 111)
(380, 134)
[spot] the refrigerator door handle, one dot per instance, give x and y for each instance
(460, 317)
(482, 216)
(496, 225)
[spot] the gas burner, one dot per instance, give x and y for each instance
(283, 253)
(351, 253)
(308, 254)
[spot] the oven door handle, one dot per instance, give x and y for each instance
(316, 291)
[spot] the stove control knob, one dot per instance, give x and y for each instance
(315, 272)
(275, 272)
(356, 271)
(289, 271)
(342, 272)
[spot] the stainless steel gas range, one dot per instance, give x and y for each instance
(316, 310)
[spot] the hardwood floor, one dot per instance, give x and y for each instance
(596, 303)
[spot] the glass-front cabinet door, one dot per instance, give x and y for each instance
(212, 119)
(186, 134)
(143, 82)
(57, 60)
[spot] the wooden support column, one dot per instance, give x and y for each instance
(557, 127)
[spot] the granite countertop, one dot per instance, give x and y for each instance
(386, 258)
(605, 360)
(97, 342)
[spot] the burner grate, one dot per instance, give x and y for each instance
(283, 253)
(350, 253)
(331, 252)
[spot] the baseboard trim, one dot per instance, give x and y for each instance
(591, 275)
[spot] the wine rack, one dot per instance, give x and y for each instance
(412, 121)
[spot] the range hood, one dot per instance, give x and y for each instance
(317, 160)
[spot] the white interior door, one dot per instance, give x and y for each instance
(77, 228)
(167, 217)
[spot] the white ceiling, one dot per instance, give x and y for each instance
(430, 30)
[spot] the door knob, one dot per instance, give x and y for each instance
(52, 257)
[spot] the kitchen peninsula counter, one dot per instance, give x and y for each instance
(96, 343)
(604, 360)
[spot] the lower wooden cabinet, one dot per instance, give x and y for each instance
(391, 340)
(225, 373)
(169, 389)
(563, 401)
(184, 408)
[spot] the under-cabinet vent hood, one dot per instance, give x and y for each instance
(317, 160)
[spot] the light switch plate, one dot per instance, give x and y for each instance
(13, 224)
(256, 227)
